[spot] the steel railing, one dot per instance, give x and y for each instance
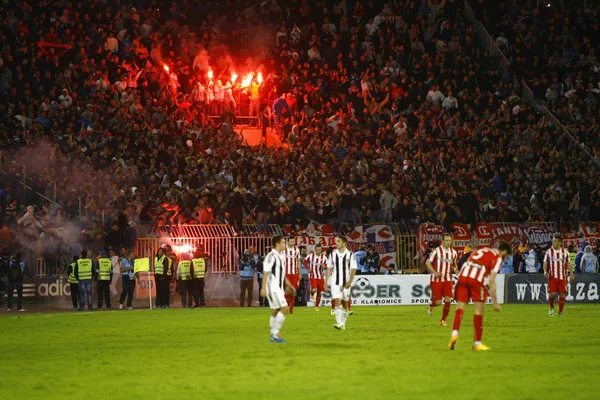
(27, 196)
(221, 252)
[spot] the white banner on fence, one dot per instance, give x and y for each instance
(391, 290)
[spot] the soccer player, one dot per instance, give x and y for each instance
(292, 269)
(341, 268)
(556, 265)
(316, 263)
(470, 285)
(274, 285)
(441, 264)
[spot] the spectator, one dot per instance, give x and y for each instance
(589, 261)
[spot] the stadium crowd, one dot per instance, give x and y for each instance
(389, 113)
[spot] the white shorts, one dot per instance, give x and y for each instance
(276, 298)
(340, 292)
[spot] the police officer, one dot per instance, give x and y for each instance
(128, 279)
(199, 272)
(161, 266)
(103, 279)
(84, 273)
(184, 280)
(74, 284)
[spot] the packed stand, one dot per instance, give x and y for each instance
(389, 115)
(554, 50)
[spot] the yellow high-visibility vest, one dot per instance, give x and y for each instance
(199, 268)
(105, 269)
(159, 265)
(184, 270)
(84, 266)
(72, 278)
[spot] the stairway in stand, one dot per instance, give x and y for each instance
(253, 136)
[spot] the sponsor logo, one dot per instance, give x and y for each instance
(363, 292)
(28, 290)
(56, 289)
(577, 291)
(421, 294)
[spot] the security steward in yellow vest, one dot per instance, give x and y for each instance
(84, 273)
(198, 274)
(103, 280)
(162, 277)
(184, 280)
(73, 283)
(171, 275)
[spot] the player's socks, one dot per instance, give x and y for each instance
(344, 316)
(446, 311)
(318, 302)
(478, 325)
(458, 316)
(279, 320)
(291, 303)
(338, 315)
(272, 322)
(551, 301)
(561, 304)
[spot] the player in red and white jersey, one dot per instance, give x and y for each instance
(442, 264)
(316, 263)
(482, 263)
(556, 266)
(292, 268)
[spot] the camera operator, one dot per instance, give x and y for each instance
(247, 266)
(372, 260)
(258, 260)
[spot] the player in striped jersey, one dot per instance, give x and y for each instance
(556, 265)
(441, 264)
(341, 268)
(471, 286)
(316, 263)
(292, 269)
(274, 287)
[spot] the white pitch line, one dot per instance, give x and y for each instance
(40, 315)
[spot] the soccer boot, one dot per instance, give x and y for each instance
(350, 312)
(277, 339)
(429, 310)
(551, 312)
(452, 343)
(339, 327)
(480, 347)
(316, 308)
(560, 315)
(443, 323)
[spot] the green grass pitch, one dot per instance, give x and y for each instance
(224, 353)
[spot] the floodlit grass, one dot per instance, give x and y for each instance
(386, 353)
